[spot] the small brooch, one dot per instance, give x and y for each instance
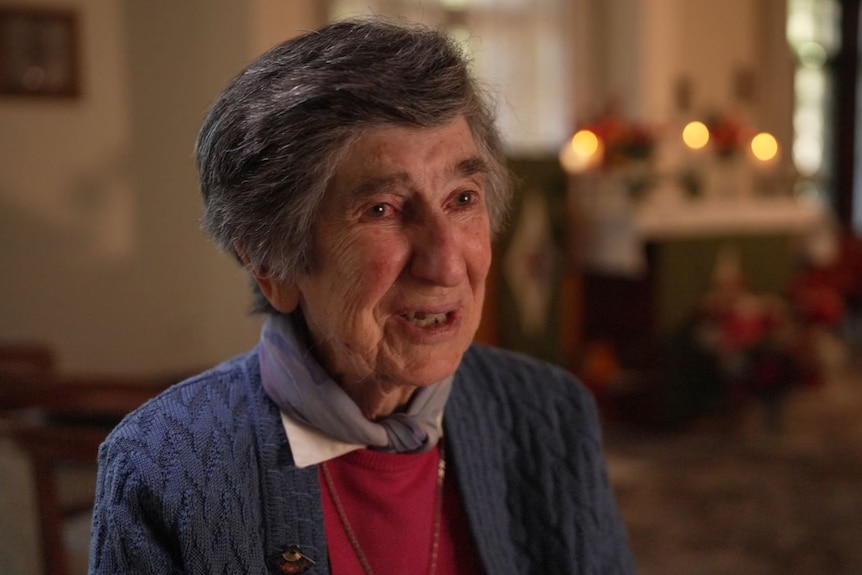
(291, 561)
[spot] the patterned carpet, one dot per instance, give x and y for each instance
(740, 499)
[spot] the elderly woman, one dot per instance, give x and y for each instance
(357, 174)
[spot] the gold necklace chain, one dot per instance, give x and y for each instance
(351, 535)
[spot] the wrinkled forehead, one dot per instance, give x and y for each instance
(389, 157)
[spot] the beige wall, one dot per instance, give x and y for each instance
(100, 253)
(99, 239)
(634, 51)
(633, 54)
(98, 196)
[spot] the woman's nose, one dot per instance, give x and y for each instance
(437, 255)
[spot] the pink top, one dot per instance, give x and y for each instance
(390, 501)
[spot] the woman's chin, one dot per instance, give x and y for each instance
(422, 356)
(423, 372)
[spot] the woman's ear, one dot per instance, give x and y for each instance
(282, 294)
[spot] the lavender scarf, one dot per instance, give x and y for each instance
(300, 387)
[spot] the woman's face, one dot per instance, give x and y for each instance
(401, 252)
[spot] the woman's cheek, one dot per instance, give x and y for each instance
(478, 245)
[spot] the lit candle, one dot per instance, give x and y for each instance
(695, 135)
(764, 148)
(582, 152)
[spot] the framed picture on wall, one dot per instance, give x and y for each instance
(39, 52)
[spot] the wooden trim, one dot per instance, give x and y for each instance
(39, 52)
(844, 118)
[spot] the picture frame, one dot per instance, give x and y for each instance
(39, 52)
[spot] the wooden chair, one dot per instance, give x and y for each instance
(57, 420)
(25, 357)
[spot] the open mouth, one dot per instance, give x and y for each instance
(426, 319)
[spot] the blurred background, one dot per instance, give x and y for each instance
(684, 237)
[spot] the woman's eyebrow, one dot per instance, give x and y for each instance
(376, 184)
(471, 166)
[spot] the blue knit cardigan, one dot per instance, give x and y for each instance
(201, 479)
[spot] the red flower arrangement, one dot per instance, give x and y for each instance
(623, 141)
(764, 345)
(727, 134)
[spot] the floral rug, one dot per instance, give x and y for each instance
(740, 498)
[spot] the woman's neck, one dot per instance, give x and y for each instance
(377, 401)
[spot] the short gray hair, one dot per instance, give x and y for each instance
(269, 147)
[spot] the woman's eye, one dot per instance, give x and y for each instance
(465, 198)
(378, 211)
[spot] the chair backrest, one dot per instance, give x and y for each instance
(26, 357)
(24, 369)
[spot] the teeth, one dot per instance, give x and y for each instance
(423, 319)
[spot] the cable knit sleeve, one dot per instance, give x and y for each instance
(129, 533)
(178, 489)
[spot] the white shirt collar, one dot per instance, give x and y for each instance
(311, 447)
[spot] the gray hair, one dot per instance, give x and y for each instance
(269, 147)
